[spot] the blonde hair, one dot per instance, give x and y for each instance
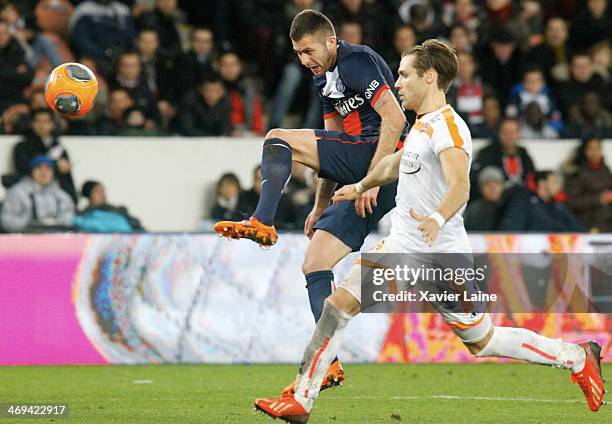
(437, 55)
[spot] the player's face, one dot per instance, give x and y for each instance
(315, 54)
(410, 86)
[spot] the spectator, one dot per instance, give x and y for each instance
(459, 37)
(468, 90)
(247, 105)
(534, 124)
(207, 110)
(423, 18)
(192, 65)
(369, 15)
(136, 125)
(527, 26)
(228, 205)
(506, 155)
(114, 120)
(37, 203)
(158, 72)
(602, 63)
(461, 14)
(351, 32)
(553, 54)
(15, 75)
(484, 214)
(100, 29)
(592, 25)
(491, 114)
(403, 39)
(42, 140)
(36, 46)
(284, 215)
(157, 67)
(499, 64)
(533, 89)
(589, 186)
(164, 20)
(129, 76)
(588, 118)
(582, 80)
(101, 217)
(539, 212)
(301, 191)
(53, 16)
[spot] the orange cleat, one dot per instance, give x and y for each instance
(284, 407)
(335, 376)
(251, 229)
(590, 379)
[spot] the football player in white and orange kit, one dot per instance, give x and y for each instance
(433, 169)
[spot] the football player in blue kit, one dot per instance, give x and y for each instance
(363, 123)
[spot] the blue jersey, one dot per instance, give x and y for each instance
(353, 86)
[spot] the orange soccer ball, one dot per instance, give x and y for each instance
(71, 89)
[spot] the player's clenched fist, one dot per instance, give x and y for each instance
(428, 227)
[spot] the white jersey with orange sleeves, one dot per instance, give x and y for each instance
(422, 184)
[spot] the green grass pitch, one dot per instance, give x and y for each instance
(380, 393)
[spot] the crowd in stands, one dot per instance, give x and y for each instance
(528, 69)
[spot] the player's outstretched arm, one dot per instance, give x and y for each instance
(455, 164)
(386, 171)
(391, 126)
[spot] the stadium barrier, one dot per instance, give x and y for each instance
(125, 299)
(169, 182)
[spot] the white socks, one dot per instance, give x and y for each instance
(519, 343)
(319, 354)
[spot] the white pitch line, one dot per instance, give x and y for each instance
(439, 397)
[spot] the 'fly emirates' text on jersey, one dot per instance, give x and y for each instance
(353, 86)
(422, 184)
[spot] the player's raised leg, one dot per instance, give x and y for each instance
(280, 148)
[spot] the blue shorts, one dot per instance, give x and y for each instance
(345, 159)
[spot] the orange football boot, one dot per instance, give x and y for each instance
(284, 407)
(251, 229)
(335, 377)
(590, 379)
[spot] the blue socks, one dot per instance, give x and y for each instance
(275, 174)
(319, 286)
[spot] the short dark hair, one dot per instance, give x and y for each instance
(580, 53)
(88, 187)
(531, 68)
(211, 78)
(229, 177)
(42, 111)
(509, 119)
(543, 175)
(438, 55)
(309, 22)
